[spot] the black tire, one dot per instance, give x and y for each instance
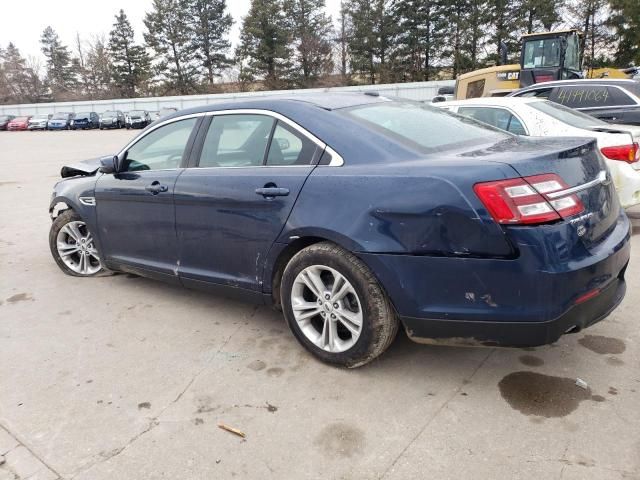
(380, 324)
(60, 221)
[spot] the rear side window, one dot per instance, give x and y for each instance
(288, 147)
(567, 115)
(576, 96)
(539, 92)
(498, 117)
(427, 128)
(236, 141)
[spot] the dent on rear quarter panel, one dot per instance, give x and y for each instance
(395, 211)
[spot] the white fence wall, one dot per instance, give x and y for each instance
(413, 91)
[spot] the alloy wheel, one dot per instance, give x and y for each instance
(76, 248)
(327, 308)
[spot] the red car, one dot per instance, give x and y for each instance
(18, 123)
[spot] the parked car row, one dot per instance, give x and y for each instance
(83, 120)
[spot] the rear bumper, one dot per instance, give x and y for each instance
(517, 334)
(627, 182)
(525, 301)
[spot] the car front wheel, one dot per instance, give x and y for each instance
(73, 247)
(335, 307)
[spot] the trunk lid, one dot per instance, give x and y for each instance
(579, 163)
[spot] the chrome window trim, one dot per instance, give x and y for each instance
(336, 158)
(601, 178)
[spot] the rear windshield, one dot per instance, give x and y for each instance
(567, 115)
(429, 128)
(60, 116)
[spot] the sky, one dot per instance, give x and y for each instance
(23, 21)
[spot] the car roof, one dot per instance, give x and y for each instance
(323, 100)
(597, 81)
(499, 101)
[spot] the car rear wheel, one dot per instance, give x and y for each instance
(335, 307)
(73, 247)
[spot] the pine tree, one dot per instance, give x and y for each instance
(264, 45)
(371, 41)
(342, 38)
(625, 20)
(130, 63)
(541, 15)
(60, 73)
(17, 76)
(169, 35)
(99, 68)
(310, 31)
(506, 23)
(210, 26)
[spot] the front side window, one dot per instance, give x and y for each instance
(497, 117)
(542, 53)
(161, 149)
(288, 147)
(238, 140)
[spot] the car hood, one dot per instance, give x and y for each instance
(84, 168)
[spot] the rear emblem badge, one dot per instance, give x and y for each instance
(581, 230)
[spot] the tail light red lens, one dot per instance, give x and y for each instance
(525, 200)
(625, 153)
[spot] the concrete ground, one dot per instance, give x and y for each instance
(125, 378)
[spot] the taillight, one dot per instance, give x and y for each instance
(526, 200)
(625, 153)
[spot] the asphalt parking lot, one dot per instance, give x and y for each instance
(121, 377)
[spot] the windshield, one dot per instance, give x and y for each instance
(60, 116)
(40, 117)
(83, 115)
(137, 113)
(542, 53)
(21, 119)
(568, 115)
(4, 118)
(109, 114)
(429, 128)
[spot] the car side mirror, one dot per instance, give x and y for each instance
(109, 164)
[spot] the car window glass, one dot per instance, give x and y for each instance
(289, 147)
(498, 117)
(161, 149)
(567, 115)
(577, 96)
(236, 141)
(427, 128)
(540, 93)
(619, 97)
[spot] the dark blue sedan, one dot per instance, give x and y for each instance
(357, 214)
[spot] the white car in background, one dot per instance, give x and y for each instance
(619, 144)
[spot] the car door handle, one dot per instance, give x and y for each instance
(156, 188)
(267, 192)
